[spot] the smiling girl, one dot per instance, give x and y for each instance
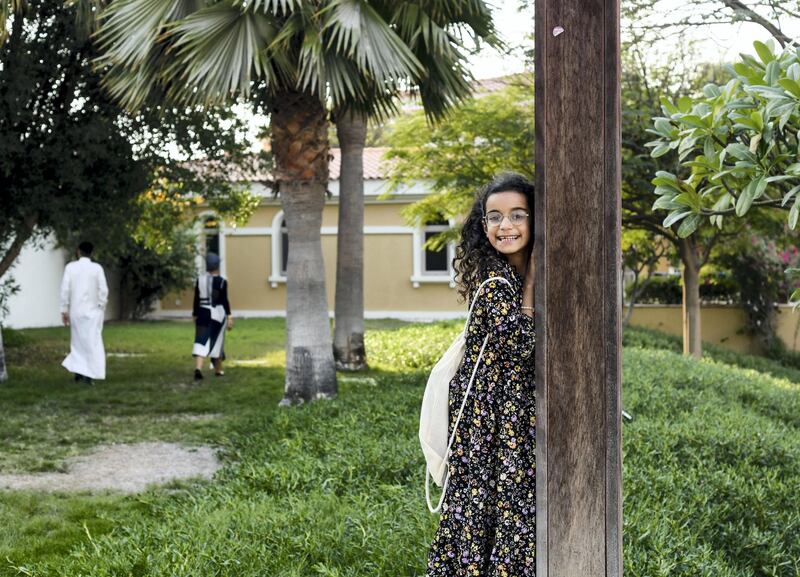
(487, 526)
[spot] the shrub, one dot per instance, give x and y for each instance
(662, 290)
(415, 346)
(668, 289)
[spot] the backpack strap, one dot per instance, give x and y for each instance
(463, 402)
(477, 294)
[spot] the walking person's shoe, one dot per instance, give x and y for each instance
(198, 375)
(219, 373)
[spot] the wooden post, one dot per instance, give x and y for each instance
(578, 353)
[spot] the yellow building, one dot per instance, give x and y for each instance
(401, 278)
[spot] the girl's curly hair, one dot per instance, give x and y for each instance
(475, 256)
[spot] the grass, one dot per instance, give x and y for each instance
(712, 461)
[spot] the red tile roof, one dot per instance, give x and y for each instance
(375, 166)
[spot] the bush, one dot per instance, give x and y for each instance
(668, 290)
(147, 274)
(665, 290)
(411, 347)
(13, 338)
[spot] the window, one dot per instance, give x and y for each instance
(432, 266)
(211, 234)
(210, 238)
(284, 247)
(436, 262)
(279, 239)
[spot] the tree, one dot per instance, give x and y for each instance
(58, 132)
(294, 57)
(72, 162)
(348, 335)
(662, 17)
(159, 255)
(3, 372)
(757, 260)
(642, 85)
(482, 137)
(641, 252)
(738, 143)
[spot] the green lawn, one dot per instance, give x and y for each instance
(711, 464)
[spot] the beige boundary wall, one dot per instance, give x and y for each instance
(720, 325)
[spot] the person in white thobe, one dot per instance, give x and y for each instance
(84, 294)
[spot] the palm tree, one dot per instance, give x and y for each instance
(3, 373)
(297, 58)
(441, 89)
(348, 333)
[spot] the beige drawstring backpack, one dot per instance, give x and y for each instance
(434, 415)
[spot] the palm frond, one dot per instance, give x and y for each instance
(130, 28)
(445, 85)
(358, 31)
(378, 102)
(434, 30)
(87, 15)
(7, 8)
(133, 87)
(311, 66)
(274, 7)
(218, 52)
(417, 28)
(285, 50)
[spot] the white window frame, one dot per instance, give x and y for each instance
(277, 276)
(200, 229)
(420, 275)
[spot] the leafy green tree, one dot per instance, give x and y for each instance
(641, 252)
(296, 58)
(737, 143)
(455, 158)
(159, 255)
(757, 264)
(72, 162)
(642, 84)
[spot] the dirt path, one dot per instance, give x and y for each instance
(125, 468)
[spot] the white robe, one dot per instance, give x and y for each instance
(84, 294)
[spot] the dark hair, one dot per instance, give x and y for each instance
(86, 248)
(475, 256)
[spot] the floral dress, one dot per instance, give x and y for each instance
(488, 524)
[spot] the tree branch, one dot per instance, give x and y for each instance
(756, 18)
(29, 224)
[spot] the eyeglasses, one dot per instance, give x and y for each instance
(517, 217)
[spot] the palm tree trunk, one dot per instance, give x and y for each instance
(3, 373)
(300, 146)
(348, 335)
(692, 344)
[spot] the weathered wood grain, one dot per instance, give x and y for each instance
(578, 374)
